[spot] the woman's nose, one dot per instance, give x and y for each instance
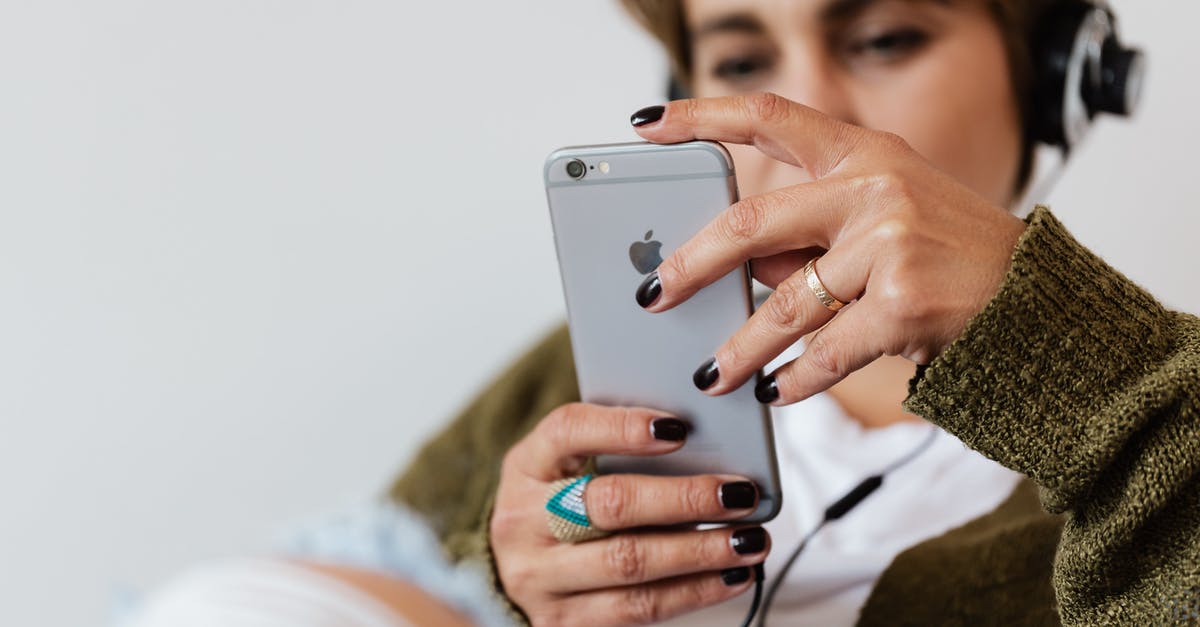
(812, 79)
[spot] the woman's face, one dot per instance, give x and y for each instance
(934, 72)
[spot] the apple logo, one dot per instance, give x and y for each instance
(646, 255)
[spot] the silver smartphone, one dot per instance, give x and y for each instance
(617, 211)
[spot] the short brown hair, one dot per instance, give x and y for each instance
(1017, 19)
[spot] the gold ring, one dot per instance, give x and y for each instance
(818, 288)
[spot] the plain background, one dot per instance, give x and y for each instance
(252, 252)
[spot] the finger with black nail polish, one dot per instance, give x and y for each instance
(748, 541)
(647, 115)
(767, 390)
(735, 576)
(707, 374)
(649, 290)
(669, 429)
(738, 495)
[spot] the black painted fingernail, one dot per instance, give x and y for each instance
(649, 290)
(647, 115)
(747, 541)
(738, 495)
(669, 429)
(734, 576)
(707, 374)
(767, 390)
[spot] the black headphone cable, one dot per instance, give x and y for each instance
(760, 606)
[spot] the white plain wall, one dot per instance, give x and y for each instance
(252, 252)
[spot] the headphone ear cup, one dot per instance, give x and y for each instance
(1053, 56)
(1081, 69)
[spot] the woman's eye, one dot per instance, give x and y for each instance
(891, 45)
(739, 68)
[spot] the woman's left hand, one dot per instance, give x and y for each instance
(917, 252)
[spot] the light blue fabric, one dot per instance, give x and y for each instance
(388, 538)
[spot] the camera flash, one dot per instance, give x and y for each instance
(603, 165)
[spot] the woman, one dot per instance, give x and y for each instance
(895, 175)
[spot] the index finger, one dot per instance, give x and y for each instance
(809, 216)
(783, 130)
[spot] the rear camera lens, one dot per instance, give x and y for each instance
(576, 169)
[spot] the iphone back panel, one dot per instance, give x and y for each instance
(617, 211)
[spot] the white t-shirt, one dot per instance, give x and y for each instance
(822, 455)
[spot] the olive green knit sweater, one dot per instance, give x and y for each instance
(1072, 375)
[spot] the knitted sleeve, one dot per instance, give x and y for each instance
(453, 479)
(1078, 378)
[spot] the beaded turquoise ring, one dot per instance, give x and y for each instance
(566, 512)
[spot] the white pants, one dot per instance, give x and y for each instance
(261, 593)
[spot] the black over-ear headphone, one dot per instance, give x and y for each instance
(1080, 69)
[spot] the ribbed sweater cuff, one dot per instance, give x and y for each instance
(1025, 381)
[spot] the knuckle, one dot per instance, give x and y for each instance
(642, 606)
(713, 551)
(786, 306)
(888, 185)
(892, 141)
(769, 106)
(824, 355)
(893, 232)
(863, 185)
(609, 502)
(745, 219)
(697, 496)
(891, 295)
(688, 110)
(625, 559)
(505, 524)
(557, 427)
(898, 300)
(631, 429)
(904, 312)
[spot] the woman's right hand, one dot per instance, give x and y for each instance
(643, 573)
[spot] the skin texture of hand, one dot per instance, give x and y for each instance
(653, 568)
(917, 252)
